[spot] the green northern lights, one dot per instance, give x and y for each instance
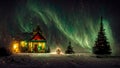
(77, 26)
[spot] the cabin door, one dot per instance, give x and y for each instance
(36, 48)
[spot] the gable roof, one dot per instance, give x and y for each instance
(38, 37)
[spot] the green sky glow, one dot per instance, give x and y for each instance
(78, 27)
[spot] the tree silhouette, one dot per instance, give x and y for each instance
(101, 46)
(48, 49)
(69, 49)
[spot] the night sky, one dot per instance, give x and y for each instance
(62, 21)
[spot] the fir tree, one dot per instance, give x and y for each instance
(101, 46)
(48, 50)
(69, 49)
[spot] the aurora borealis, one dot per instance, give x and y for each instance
(62, 21)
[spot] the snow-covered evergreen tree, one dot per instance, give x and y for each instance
(101, 46)
(69, 49)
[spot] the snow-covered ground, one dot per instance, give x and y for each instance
(37, 60)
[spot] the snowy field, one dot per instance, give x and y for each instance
(37, 60)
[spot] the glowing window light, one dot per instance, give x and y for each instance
(16, 48)
(23, 43)
(40, 44)
(39, 48)
(43, 45)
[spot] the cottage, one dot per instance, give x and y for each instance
(32, 42)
